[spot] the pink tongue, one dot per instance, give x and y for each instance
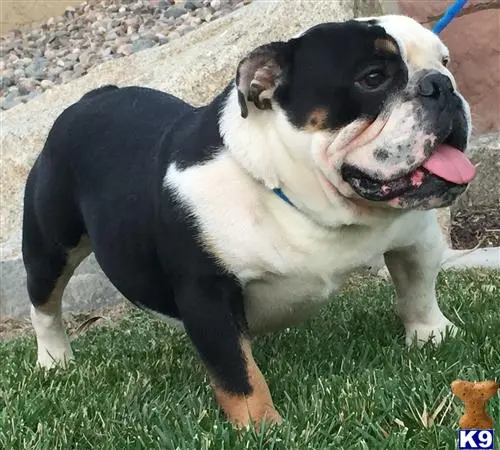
(451, 164)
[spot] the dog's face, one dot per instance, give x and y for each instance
(382, 111)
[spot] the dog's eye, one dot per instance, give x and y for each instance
(445, 60)
(373, 79)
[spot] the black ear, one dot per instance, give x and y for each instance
(260, 73)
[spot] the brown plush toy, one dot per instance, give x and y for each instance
(475, 396)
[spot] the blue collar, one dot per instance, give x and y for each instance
(283, 197)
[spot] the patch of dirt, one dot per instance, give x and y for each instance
(475, 228)
(76, 323)
(19, 13)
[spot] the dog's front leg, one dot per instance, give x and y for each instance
(414, 270)
(213, 314)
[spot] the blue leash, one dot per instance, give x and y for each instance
(439, 26)
(448, 16)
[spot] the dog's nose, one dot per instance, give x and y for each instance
(435, 85)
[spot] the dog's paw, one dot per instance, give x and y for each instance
(46, 360)
(419, 334)
(267, 417)
(272, 417)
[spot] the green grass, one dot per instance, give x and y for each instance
(341, 381)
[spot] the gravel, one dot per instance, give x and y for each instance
(35, 59)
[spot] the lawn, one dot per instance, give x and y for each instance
(343, 380)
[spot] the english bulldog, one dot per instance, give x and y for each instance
(326, 151)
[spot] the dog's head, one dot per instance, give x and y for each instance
(381, 111)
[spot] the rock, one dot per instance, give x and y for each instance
(194, 67)
(66, 76)
(62, 52)
(49, 54)
(111, 36)
(18, 74)
(183, 29)
(71, 58)
(142, 44)
(12, 58)
(54, 71)
(216, 4)
(7, 79)
(46, 84)
(30, 96)
(125, 49)
(85, 58)
(163, 4)
(105, 52)
(121, 40)
(191, 5)
(11, 100)
(26, 61)
(133, 21)
(161, 38)
(69, 12)
(37, 68)
(41, 41)
(88, 288)
(175, 11)
(193, 21)
(205, 14)
(26, 85)
(174, 35)
(79, 69)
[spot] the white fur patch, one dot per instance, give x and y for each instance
(288, 264)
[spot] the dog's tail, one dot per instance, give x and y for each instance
(99, 91)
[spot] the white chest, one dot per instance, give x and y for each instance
(289, 266)
(297, 280)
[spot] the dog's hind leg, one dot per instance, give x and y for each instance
(53, 246)
(48, 273)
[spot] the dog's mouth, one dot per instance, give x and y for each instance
(445, 173)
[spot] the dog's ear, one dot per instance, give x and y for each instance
(260, 73)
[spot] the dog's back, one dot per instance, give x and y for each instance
(97, 163)
(96, 153)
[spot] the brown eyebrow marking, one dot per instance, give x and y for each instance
(386, 44)
(316, 120)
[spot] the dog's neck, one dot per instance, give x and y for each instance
(279, 156)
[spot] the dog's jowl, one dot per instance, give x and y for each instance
(246, 215)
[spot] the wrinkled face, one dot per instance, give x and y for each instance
(386, 122)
